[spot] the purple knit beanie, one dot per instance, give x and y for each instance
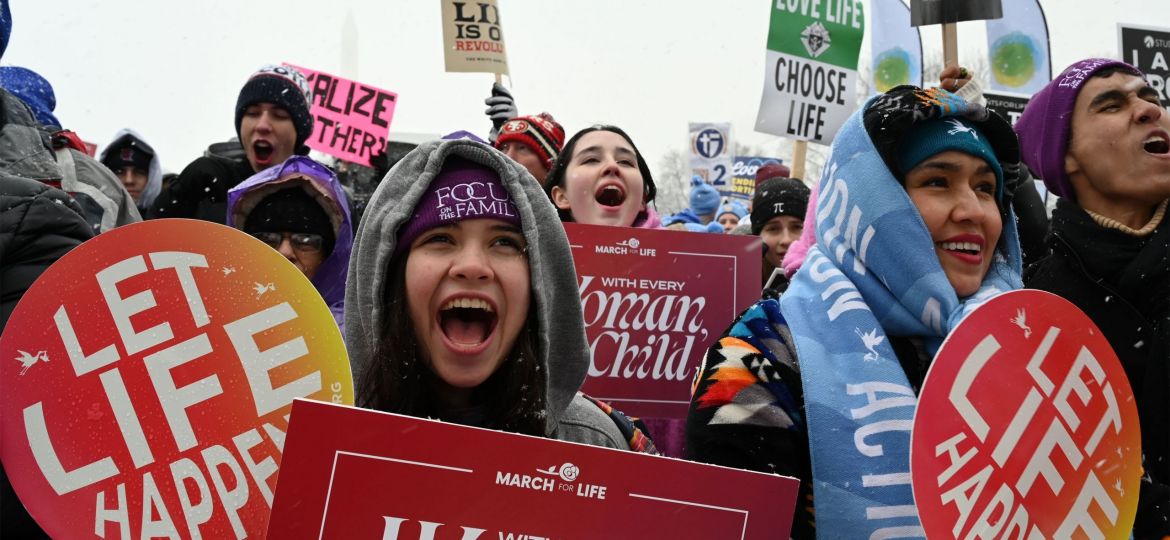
(462, 190)
(1044, 127)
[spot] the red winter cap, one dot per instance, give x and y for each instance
(541, 133)
(770, 171)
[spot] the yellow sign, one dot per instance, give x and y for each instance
(473, 40)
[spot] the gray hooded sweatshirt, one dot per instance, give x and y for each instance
(561, 343)
(153, 175)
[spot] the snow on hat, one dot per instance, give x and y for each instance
(769, 171)
(1044, 127)
(33, 90)
(541, 133)
(286, 88)
(778, 197)
(462, 190)
(704, 197)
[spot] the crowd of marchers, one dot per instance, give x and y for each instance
(443, 317)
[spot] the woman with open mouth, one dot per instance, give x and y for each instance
(600, 178)
(911, 219)
(460, 304)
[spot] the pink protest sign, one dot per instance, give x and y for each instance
(653, 301)
(147, 379)
(351, 120)
(1026, 428)
(356, 473)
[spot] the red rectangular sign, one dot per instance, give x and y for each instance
(654, 300)
(355, 473)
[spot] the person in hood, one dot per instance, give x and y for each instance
(272, 122)
(462, 302)
(924, 174)
(136, 164)
(602, 179)
(300, 209)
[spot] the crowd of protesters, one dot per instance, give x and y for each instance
(477, 320)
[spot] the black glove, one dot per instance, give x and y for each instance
(501, 108)
(893, 114)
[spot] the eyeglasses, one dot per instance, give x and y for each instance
(304, 242)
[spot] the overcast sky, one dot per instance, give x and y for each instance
(172, 70)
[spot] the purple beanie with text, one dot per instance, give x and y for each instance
(462, 190)
(1044, 127)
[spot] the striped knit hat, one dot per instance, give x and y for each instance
(541, 133)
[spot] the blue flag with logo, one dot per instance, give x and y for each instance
(1017, 46)
(896, 47)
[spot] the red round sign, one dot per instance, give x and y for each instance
(148, 376)
(1026, 424)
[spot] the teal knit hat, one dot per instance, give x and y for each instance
(953, 133)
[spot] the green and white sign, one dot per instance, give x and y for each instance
(810, 75)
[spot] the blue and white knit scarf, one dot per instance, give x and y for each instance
(872, 273)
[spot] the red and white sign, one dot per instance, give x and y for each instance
(654, 300)
(356, 473)
(351, 120)
(147, 379)
(1027, 428)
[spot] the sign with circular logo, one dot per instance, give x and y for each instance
(148, 376)
(1026, 427)
(709, 143)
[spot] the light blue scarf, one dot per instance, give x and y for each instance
(872, 273)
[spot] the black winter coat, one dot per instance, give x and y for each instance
(38, 224)
(200, 191)
(1122, 282)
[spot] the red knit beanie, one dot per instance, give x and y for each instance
(770, 171)
(541, 133)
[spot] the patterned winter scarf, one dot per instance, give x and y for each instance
(873, 273)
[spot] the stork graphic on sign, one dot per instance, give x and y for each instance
(27, 360)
